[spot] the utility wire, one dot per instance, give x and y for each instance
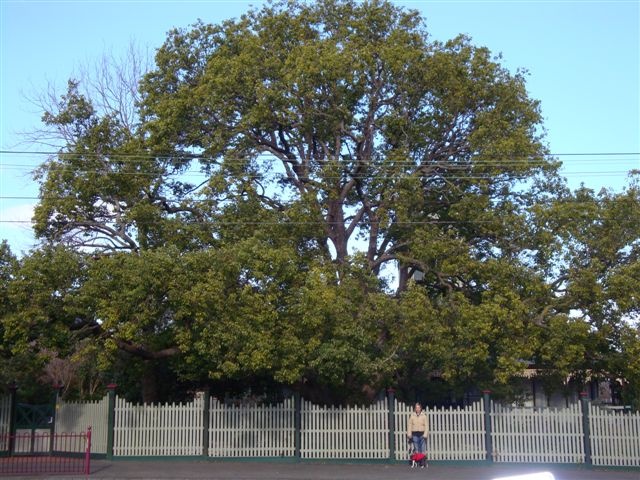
(205, 200)
(503, 160)
(147, 156)
(286, 223)
(110, 167)
(283, 176)
(197, 156)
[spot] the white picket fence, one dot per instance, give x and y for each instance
(5, 419)
(615, 437)
(350, 432)
(550, 435)
(158, 430)
(454, 433)
(251, 430)
(77, 417)
(521, 435)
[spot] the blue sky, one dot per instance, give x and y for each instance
(583, 59)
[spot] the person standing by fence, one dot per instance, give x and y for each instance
(418, 429)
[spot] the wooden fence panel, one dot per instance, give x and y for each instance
(454, 433)
(356, 432)
(158, 430)
(353, 432)
(251, 430)
(77, 417)
(5, 419)
(549, 435)
(615, 437)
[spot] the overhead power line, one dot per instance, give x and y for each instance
(280, 175)
(205, 200)
(286, 223)
(148, 156)
(195, 155)
(112, 167)
(503, 160)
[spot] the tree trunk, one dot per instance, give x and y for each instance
(149, 383)
(403, 279)
(337, 231)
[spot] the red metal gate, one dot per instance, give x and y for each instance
(68, 453)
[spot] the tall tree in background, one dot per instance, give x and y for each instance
(594, 312)
(343, 151)
(391, 149)
(374, 132)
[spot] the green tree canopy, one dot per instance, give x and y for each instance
(377, 208)
(346, 115)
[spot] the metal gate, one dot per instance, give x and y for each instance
(31, 446)
(33, 429)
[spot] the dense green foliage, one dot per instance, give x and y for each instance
(378, 209)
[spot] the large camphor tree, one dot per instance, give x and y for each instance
(379, 208)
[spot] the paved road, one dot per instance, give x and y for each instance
(146, 470)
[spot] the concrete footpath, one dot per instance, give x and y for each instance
(153, 469)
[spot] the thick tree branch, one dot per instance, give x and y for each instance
(143, 352)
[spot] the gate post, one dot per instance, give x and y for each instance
(13, 411)
(57, 396)
(206, 417)
(391, 401)
(586, 430)
(111, 419)
(87, 453)
(486, 400)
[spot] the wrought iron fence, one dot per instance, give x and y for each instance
(32, 453)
